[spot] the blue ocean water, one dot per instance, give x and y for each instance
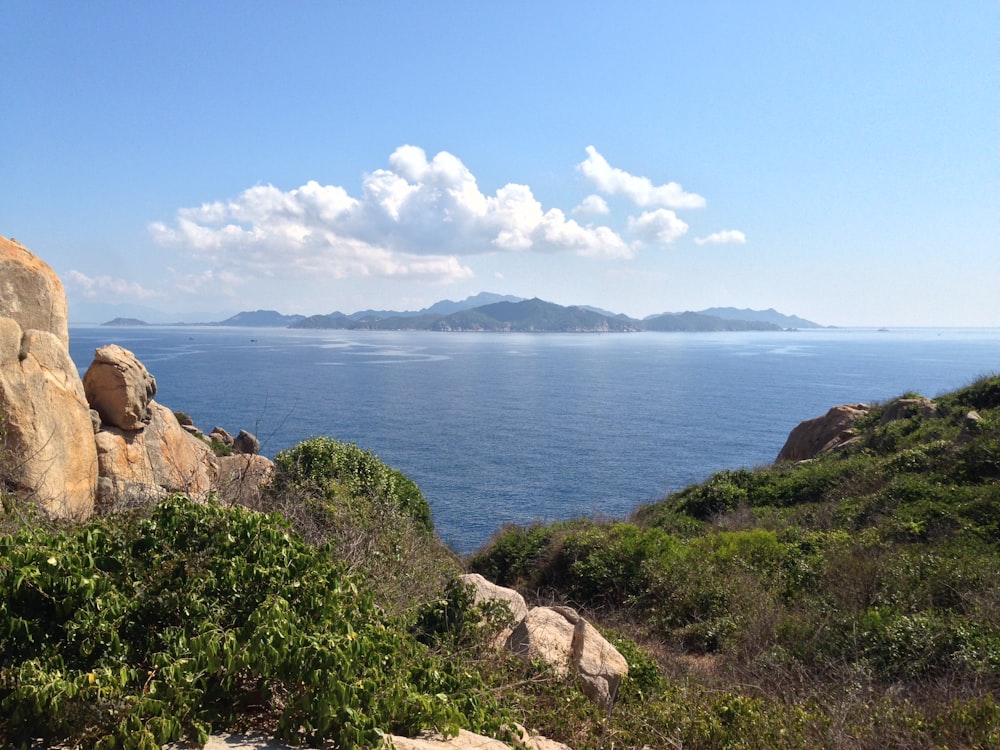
(513, 428)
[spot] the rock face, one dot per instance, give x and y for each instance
(119, 388)
(47, 446)
(823, 434)
(31, 292)
(142, 466)
(67, 443)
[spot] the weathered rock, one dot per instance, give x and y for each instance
(219, 435)
(46, 436)
(822, 434)
(484, 591)
(120, 388)
(143, 466)
(465, 740)
(563, 639)
(241, 479)
(971, 427)
(246, 442)
(902, 408)
(31, 292)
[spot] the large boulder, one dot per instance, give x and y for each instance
(46, 437)
(31, 292)
(140, 466)
(485, 592)
(242, 479)
(563, 639)
(904, 408)
(466, 740)
(119, 388)
(833, 430)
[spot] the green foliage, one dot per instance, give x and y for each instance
(327, 467)
(136, 632)
(858, 593)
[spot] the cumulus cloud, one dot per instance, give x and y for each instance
(414, 219)
(92, 287)
(639, 190)
(593, 205)
(660, 226)
(725, 237)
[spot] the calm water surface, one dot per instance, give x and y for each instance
(512, 428)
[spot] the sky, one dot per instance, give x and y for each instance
(836, 161)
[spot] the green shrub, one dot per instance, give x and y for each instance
(133, 633)
(327, 467)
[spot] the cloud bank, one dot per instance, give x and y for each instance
(417, 218)
(94, 287)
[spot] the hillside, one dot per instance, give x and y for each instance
(847, 601)
(532, 315)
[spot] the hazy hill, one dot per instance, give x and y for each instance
(765, 316)
(530, 316)
(693, 322)
(261, 319)
(536, 315)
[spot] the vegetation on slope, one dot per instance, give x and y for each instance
(851, 601)
(854, 598)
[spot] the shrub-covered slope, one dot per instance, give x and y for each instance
(860, 588)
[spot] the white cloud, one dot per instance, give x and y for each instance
(725, 237)
(414, 219)
(593, 205)
(640, 190)
(93, 287)
(661, 226)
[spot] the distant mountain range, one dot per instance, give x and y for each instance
(495, 312)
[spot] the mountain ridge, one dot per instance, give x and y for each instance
(490, 312)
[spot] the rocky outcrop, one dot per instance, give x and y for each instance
(246, 442)
(119, 388)
(833, 430)
(903, 408)
(69, 444)
(47, 446)
(139, 466)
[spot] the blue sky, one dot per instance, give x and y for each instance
(836, 161)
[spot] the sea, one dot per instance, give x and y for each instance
(512, 428)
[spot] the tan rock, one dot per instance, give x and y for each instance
(822, 434)
(31, 292)
(484, 591)
(563, 639)
(241, 479)
(139, 467)
(119, 388)
(902, 408)
(46, 436)
(432, 741)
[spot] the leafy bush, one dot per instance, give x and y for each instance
(324, 466)
(136, 632)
